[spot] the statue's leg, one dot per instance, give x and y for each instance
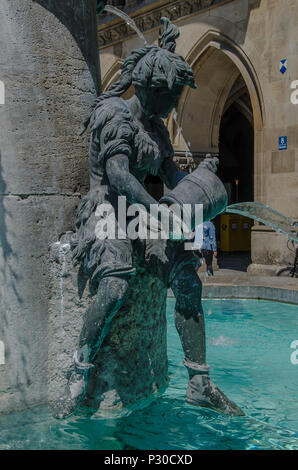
(109, 299)
(189, 321)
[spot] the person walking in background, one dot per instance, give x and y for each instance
(205, 244)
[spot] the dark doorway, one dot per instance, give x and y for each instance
(236, 167)
(236, 149)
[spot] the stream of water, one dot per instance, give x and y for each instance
(268, 216)
(188, 153)
(127, 19)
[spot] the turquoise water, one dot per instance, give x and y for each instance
(249, 350)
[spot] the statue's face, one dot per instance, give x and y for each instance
(158, 101)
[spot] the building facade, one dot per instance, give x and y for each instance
(244, 54)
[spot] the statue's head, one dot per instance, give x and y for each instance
(160, 75)
(157, 73)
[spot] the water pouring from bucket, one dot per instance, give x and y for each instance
(129, 21)
(268, 216)
(202, 186)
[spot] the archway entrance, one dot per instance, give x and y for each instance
(221, 117)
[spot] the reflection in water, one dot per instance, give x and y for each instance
(222, 341)
(268, 216)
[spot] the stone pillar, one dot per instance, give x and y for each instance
(49, 64)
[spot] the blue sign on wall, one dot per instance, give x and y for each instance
(283, 142)
(283, 66)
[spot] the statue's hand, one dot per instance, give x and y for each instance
(210, 163)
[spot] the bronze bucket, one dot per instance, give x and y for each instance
(201, 186)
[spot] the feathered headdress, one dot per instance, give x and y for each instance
(161, 67)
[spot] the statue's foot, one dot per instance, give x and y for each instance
(74, 393)
(75, 390)
(202, 391)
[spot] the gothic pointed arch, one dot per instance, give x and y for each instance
(217, 61)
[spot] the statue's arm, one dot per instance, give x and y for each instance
(122, 181)
(170, 174)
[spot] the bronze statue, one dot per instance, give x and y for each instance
(129, 141)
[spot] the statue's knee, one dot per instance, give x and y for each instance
(113, 288)
(118, 285)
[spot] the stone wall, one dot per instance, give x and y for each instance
(50, 68)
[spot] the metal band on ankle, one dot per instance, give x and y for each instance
(81, 367)
(195, 368)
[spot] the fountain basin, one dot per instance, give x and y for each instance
(248, 347)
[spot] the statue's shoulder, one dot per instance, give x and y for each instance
(112, 111)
